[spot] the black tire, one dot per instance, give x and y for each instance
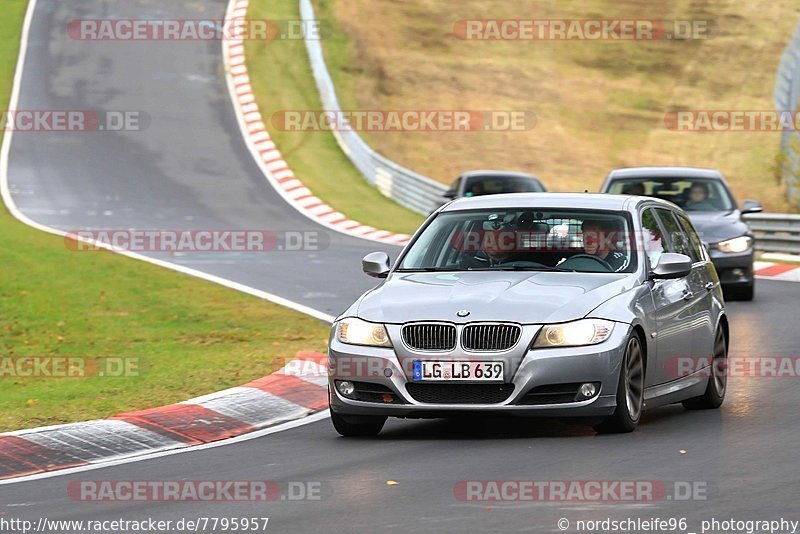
(717, 382)
(745, 293)
(630, 391)
(361, 426)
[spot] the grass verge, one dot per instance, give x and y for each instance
(282, 80)
(784, 260)
(189, 337)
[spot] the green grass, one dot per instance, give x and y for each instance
(282, 80)
(190, 337)
(774, 260)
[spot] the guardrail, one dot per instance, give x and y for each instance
(776, 232)
(787, 97)
(404, 186)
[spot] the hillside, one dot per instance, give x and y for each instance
(599, 104)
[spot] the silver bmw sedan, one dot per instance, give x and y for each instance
(542, 304)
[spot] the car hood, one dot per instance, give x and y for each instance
(717, 226)
(523, 297)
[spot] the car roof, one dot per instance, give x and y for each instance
(665, 172)
(597, 201)
(494, 173)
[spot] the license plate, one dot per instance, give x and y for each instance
(425, 371)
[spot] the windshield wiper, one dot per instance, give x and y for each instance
(426, 270)
(543, 268)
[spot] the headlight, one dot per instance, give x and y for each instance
(737, 244)
(576, 333)
(354, 331)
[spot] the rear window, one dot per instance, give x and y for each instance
(492, 185)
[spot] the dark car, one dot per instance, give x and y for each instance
(705, 196)
(479, 183)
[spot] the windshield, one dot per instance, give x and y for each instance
(493, 185)
(524, 239)
(690, 194)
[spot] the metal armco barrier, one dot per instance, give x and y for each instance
(402, 185)
(787, 98)
(776, 232)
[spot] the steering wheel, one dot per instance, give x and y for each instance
(602, 262)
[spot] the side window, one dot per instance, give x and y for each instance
(652, 238)
(677, 241)
(694, 241)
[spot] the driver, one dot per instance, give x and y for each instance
(494, 250)
(598, 241)
(497, 247)
(633, 189)
(698, 198)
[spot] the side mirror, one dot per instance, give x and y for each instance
(671, 265)
(449, 194)
(376, 264)
(752, 206)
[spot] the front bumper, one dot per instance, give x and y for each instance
(733, 269)
(539, 367)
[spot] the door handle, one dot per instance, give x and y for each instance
(709, 286)
(688, 295)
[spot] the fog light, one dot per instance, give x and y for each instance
(587, 391)
(738, 273)
(346, 388)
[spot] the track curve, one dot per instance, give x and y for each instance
(186, 171)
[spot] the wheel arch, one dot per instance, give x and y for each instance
(638, 329)
(723, 323)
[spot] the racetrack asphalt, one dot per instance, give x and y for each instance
(190, 170)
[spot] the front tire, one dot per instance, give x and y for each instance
(630, 391)
(717, 382)
(365, 426)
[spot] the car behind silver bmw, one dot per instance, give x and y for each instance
(569, 305)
